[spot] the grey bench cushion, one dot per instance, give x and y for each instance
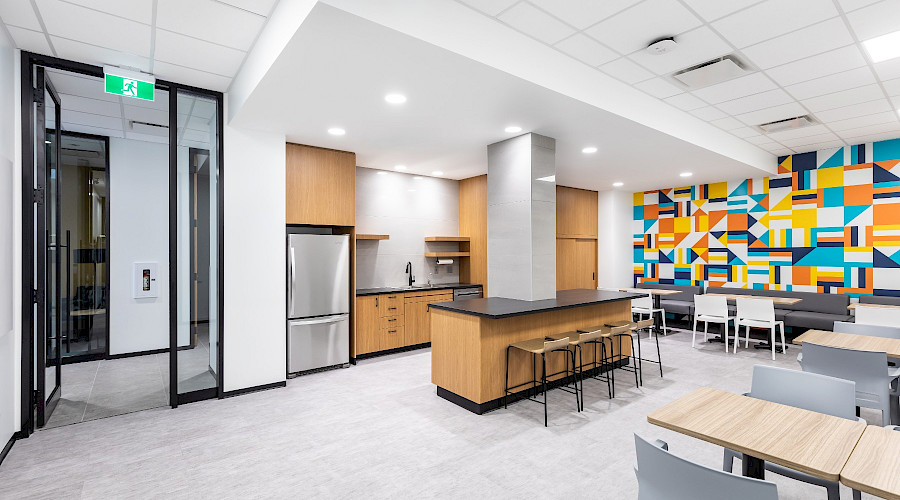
(813, 320)
(879, 299)
(686, 295)
(678, 306)
(815, 310)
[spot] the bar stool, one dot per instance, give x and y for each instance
(577, 340)
(542, 346)
(647, 324)
(608, 332)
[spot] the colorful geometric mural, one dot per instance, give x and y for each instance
(828, 222)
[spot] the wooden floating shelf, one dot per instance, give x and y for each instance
(447, 238)
(373, 236)
(446, 254)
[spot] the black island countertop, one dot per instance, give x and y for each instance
(400, 289)
(498, 307)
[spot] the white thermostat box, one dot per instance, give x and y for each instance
(145, 280)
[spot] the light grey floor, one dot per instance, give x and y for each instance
(378, 430)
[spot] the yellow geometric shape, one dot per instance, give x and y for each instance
(804, 218)
(682, 224)
(701, 223)
(830, 177)
(638, 199)
(786, 166)
(718, 190)
(786, 203)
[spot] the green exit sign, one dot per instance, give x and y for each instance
(129, 87)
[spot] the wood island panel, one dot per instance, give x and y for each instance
(468, 353)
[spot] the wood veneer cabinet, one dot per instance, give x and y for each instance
(391, 321)
(473, 225)
(320, 186)
(418, 326)
(576, 238)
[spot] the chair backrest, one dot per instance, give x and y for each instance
(881, 316)
(868, 369)
(807, 390)
(662, 475)
(644, 323)
(755, 309)
(828, 303)
(710, 305)
(552, 345)
(643, 302)
(888, 332)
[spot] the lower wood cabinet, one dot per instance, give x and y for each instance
(390, 321)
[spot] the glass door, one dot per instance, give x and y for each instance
(48, 249)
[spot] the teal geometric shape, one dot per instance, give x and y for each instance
(757, 198)
(835, 160)
(639, 212)
(823, 256)
(833, 197)
(741, 190)
(665, 258)
(886, 150)
(853, 212)
(648, 224)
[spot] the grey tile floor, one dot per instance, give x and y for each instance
(378, 430)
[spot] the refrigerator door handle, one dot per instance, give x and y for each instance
(291, 287)
(319, 321)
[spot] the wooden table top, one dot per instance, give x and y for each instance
(876, 306)
(807, 441)
(851, 341)
(874, 465)
(88, 312)
(650, 291)
(777, 300)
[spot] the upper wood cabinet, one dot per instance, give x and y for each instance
(321, 186)
(576, 213)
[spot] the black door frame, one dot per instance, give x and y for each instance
(29, 61)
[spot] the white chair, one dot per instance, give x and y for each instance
(664, 476)
(711, 309)
(756, 313)
(876, 383)
(874, 315)
(644, 305)
(810, 391)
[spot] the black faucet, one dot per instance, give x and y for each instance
(412, 279)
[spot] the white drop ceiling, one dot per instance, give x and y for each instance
(806, 57)
(194, 42)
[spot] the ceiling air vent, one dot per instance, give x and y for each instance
(787, 124)
(711, 72)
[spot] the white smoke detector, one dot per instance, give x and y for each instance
(662, 46)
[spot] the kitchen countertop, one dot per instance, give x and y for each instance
(498, 307)
(437, 286)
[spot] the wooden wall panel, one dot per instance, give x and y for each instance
(473, 223)
(321, 186)
(576, 213)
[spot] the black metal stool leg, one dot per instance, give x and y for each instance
(506, 389)
(544, 383)
(640, 358)
(580, 370)
(658, 356)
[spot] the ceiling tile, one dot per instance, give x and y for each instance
(708, 113)
(190, 76)
(745, 132)
(658, 87)
(862, 121)
(694, 47)
(489, 7)
(78, 23)
(892, 87)
(727, 123)
(19, 14)
(33, 41)
(583, 13)
(738, 87)
(88, 105)
(775, 113)
(846, 112)
(264, 7)
(772, 18)
(91, 119)
(844, 98)
(875, 20)
(650, 20)
(780, 151)
(872, 138)
(91, 54)
(848, 5)
(626, 71)
(756, 101)
(870, 130)
(760, 140)
(806, 141)
(714, 9)
(832, 83)
(818, 146)
(146, 115)
(192, 53)
(535, 22)
(798, 133)
(586, 50)
(798, 44)
(223, 24)
(136, 10)
(686, 101)
(829, 63)
(888, 70)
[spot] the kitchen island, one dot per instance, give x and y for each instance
(469, 340)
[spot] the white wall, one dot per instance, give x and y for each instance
(9, 186)
(255, 280)
(615, 250)
(139, 232)
(408, 208)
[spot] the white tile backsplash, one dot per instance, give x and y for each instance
(408, 208)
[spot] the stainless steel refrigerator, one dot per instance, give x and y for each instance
(318, 301)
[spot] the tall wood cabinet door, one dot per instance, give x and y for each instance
(566, 264)
(367, 324)
(586, 264)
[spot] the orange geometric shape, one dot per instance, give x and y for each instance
(737, 222)
(785, 166)
(652, 212)
(666, 226)
(887, 214)
(858, 195)
(716, 216)
(800, 275)
(703, 242)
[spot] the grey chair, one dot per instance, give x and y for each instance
(876, 383)
(810, 391)
(664, 476)
(888, 332)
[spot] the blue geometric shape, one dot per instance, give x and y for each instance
(853, 212)
(881, 260)
(648, 223)
(886, 150)
(639, 212)
(821, 256)
(833, 197)
(741, 190)
(835, 160)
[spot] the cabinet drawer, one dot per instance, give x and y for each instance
(391, 338)
(386, 322)
(390, 305)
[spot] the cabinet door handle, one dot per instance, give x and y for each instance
(391, 308)
(393, 319)
(392, 331)
(376, 301)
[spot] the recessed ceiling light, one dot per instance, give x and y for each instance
(685, 174)
(437, 173)
(400, 167)
(512, 129)
(883, 47)
(382, 172)
(589, 150)
(336, 131)
(549, 178)
(411, 190)
(618, 184)
(395, 98)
